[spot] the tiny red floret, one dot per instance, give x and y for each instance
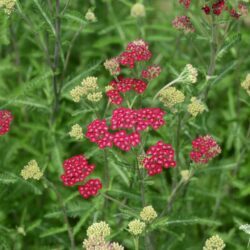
(5, 120)
(90, 188)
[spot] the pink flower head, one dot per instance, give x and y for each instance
(5, 120)
(141, 119)
(123, 85)
(183, 23)
(161, 156)
(234, 14)
(136, 51)
(152, 117)
(90, 188)
(218, 7)
(151, 72)
(186, 3)
(125, 141)
(76, 169)
(243, 9)
(206, 9)
(124, 118)
(114, 96)
(98, 133)
(205, 148)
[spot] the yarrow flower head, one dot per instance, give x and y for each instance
(186, 3)
(138, 10)
(140, 119)
(8, 6)
(76, 132)
(148, 214)
(99, 229)
(183, 23)
(31, 171)
(97, 233)
(196, 107)
(205, 148)
(76, 169)
(76, 93)
(151, 72)
(185, 175)
(98, 133)
(189, 74)
(243, 9)
(214, 243)
(90, 188)
(160, 155)
(246, 84)
(136, 227)
(171, 97)
(90, 16)
(219, 6)
(5, 120)
(135, 51)
(113, 66)
(87, 89)
(94, 97)
(123, 85)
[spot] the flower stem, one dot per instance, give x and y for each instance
(213, 55)
(166, 86)
(64, 212)
(136, 243)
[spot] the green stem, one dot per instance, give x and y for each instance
(136, 243)
(64, 212)
(166, 86)
(213, 55)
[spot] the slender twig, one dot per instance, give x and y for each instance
(106, 168)
(57, 28)
(213, 55)
(64, 212)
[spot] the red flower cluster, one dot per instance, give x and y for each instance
(135, 51)
(124, 118)
(125, 141)
(5, 120)
(123, 85)
(90, 188)
(183, 23)
(141, 119)
(219, 6)
(186, 3)
(151, 72)
(98, 133)
(161, 155)
(77, 169)
(204, 149)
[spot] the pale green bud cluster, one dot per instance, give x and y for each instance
(214, 243)
(31, 171)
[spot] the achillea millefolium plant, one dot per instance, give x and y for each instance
(124, 124)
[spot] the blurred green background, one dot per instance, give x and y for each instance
(216, 201)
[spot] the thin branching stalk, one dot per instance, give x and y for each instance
(213, 55)
(64, 212)
(56, 62)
